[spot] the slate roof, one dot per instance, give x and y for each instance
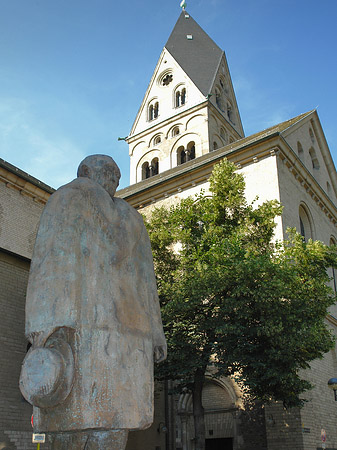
(199, 57)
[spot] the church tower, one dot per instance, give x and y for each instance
(189, 108)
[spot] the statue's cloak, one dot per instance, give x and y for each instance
(92, 272)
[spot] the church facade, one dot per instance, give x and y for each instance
(188, 121)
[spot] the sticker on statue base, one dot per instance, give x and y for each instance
(39, 438)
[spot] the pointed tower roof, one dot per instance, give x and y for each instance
(196, 53)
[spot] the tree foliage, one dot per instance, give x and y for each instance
(234, 299)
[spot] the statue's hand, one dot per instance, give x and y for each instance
(160, 353)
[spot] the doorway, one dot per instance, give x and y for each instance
(219, 444)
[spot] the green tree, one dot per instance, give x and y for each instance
(234, 299)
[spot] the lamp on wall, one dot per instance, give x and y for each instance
(162, 428)
(332, 383)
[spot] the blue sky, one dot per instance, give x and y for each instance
(73, 73)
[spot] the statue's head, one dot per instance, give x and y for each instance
(103, 170)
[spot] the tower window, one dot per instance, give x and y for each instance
(300, 151)
(145, 171)
(153, 111)
(175, 131)
(311, 134)
(186, 154)
(223, 134)
(230, 112)
(167, 79)
(157, 140)
(305, 224)
(314, 159)
(149, 170)
(180, 98)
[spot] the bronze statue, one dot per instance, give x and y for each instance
(92, 315)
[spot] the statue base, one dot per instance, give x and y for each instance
(89, 440)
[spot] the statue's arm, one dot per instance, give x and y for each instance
(159, 341)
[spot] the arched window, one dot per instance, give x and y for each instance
(156, 110)
(183, 96)
(153, 111)
(190, 154)
(157, 140)
(186, 154)
(300, 151)
(305, 224)
(154, 167)
(334, 281)
(175, 131)
(223, 134)
(181, 155)
(314, 159)
(311, 134)
(145, 171)
(230, 112)
(180, 98)
(218, 98)
(215, 145)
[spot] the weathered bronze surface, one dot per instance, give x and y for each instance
(92, 314)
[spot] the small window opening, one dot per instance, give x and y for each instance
(230, 113)
(300, 151)
(215, 145)
(223, 134)
(328, 187)
(167, 79)
(157, 140)
(184, 155)
(154, 167)
(311, 134)
(314, 159)
(333, 242)
(145, 171)
(153, 111)
(180, 99)
(175, 131)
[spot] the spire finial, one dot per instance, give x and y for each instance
(183, 4)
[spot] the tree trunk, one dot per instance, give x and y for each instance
(198, 410)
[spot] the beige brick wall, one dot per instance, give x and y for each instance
(19, 218)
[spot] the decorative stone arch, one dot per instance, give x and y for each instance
(183, 141)
(170, 133)
(152, 109)
(179, 95)
(137, 146)
(220, 418)
(156, 140)
(306, 223)
(223, 134)
(314, 159)
(148, 157)
(230, 112)
(192, 119)
(223, 83)
(165, 78)
(300, 151)
(219, 97)
(215, 143)
(312, 136)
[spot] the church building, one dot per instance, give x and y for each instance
(188, 121)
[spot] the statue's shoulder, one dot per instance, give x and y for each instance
(79, 187)
(127, 211)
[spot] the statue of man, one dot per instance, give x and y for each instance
(92, 316)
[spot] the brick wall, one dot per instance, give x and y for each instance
(15, 412)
